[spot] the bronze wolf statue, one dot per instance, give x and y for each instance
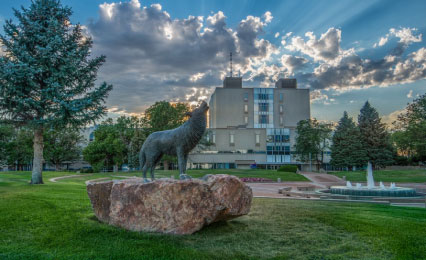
(179, 142)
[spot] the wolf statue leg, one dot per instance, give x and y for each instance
(182, 164)
(152, 173)
(145, 169)
(185, 160)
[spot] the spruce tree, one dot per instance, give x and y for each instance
(375, 138)
(47, 79)
(347, 148)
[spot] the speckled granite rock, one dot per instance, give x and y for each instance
(167, 205)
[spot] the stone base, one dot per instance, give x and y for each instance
(167, 205)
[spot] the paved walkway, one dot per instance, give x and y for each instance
(271, 189)
(66, 177)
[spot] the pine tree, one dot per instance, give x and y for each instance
(375, 138)
(347, 148)
(46, 77)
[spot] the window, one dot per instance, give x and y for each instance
(246, 120)
(281, 97)
(245, 96)
(231, 138)
(270, 139)
(245, 108)
(257, 138)
(286, 150)
(281, 120)
(281, 108)
(263, 119)
(277, 138)
(214, 138)
(285, 138)
(92, 136)
(263, 107)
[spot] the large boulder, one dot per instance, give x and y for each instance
(168, 205)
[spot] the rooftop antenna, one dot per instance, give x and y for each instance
(230, 62)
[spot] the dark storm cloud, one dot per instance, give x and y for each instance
(152, 57)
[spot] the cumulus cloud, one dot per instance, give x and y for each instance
(152, 56)
(406, 36)
(293, 63)
(353, 71)
(392, 117)
(343, 68)
(325, 49)
(268, 17)
(318, 97)
(382, 41)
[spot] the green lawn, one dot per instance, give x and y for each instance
(257, 173)
(55, 221)
(386, 176)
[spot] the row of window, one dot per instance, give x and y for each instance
(263, 107)
(263, 96)
(231, 138)
(278, 150)
(278, 138)
(269, 139)
(263, 119)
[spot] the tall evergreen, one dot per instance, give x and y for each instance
(375, 138)
(47, 79)
(347, 149)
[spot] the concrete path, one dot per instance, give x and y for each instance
(75, 176)
(66, 177)
(271, 189)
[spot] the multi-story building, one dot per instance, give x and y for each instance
(252, 126)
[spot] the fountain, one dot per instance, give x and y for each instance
(371, 189)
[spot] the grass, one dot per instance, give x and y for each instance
(55, 221)
(416, 176)
(256, 173)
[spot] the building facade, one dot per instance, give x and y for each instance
(252, 126)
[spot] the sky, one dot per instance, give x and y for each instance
(345, 52)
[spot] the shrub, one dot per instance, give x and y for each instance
(251, 179)
(86, 170)
(288, 168)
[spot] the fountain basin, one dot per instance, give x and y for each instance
(374, 192)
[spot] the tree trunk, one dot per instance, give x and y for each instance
(57, 167)
(166, 165)
(115, 168)
(36, 177)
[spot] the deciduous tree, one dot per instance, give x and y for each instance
(312, 140)
(62, 145)
(410, 137)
